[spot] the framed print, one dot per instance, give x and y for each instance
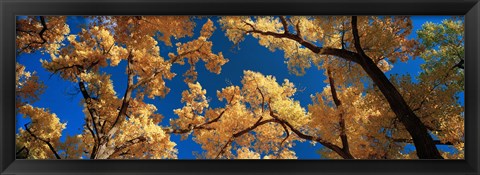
(251, 87)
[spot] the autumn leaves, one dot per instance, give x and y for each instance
(260, 117)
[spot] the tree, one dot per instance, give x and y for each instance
(108, 41)
(353, 117)
(370, 42)
(434, 99)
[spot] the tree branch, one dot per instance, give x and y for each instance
(91, 111)
(126, 98)
(338, 103)
(171, 61)
(263, 99)
(45, 28)
(333, 147)
(437, 142)
(285, 25)
(46, 141)
(356, 37)
(242, 132)
(460, 64)
(20, 151)
(348, 55)
(103, 152)
(128, 143)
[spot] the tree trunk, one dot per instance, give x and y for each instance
(426, 148)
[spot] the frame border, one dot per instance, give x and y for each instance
(10, 8)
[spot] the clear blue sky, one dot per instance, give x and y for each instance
(59, 99)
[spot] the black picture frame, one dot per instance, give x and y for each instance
(10, 8)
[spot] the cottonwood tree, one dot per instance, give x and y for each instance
(126, 126)
(352, 118)
(372, 129)
(366, 46)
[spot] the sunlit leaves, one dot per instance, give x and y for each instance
(36, 32)
(107, 42)
(194, 50)
(251, 122)
(87, 53)
(27, 87)
(44, 127)
(444, 51)
(245, 123)
(381, 37)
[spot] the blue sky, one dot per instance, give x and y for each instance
(60, 98)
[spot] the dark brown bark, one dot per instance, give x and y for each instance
(338, 103)
(45, 28)
(92, 112)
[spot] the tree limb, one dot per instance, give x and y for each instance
(460, 64)
(284, 23)
(103, 152)
(437, 142)
(46, 141)
(91, 111)
(126, 97)
(244, 131)
(128, 143)
(333, 147)
(45, 28)
(338, 103)
(348, 55)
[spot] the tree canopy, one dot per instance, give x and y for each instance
(361, 113)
